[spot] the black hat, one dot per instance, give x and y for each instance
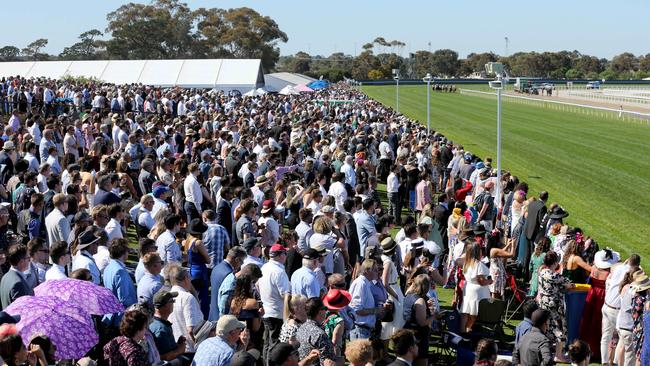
(539, 317)
(243, 358)
(163, 297)
(311, 253)
(558, 213)
(197, 227)
(249, 244)
(280, 353)
(87, 238)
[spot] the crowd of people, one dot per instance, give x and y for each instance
(263, 239)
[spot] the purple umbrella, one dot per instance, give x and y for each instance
(95, 300)
(69, 327)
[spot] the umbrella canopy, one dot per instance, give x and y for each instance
(303, 88)
(69, 327)
(289, 90)
(93, 299)
(318, 84)
(255, 92)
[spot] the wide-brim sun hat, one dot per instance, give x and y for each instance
(606, 258)
(337, 299)
(640, 281)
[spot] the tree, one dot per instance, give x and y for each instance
(301, 63)
(624, 62)
(161, 30)
(239, 33)
(573, 74)
(445, 63)
(588, 65)
(475, 62)
(9, 53)
(33, 50)
(363, 63)
(86, 49)
(644, 63)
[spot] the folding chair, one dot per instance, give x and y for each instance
(490, 316)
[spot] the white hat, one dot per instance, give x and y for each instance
(228, 323)
(606, 258)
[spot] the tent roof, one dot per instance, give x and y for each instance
(278, 80)
(225, 74)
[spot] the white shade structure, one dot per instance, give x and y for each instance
(221, 74)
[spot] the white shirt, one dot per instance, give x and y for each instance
(56, 272)
(83, 259)
(350, 175)
(114, 230)
(186, 313)
(392, 183)
(146, 219)
(33, 162)
(385, 151)
(340, 194)
(273, 285)
(102, 257)
(612, 293)
(193, 191)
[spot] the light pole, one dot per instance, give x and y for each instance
(396, 77)
(427, 79)
(497, 69)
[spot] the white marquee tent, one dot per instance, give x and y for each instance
(221, 74)
(279, 80)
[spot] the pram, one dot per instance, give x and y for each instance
(516, 296)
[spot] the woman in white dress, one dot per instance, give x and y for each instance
(477, 281)
(389, 278)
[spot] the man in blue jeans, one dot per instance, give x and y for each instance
(363, 303)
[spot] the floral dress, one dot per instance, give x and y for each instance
(551, 297)
(638, 302)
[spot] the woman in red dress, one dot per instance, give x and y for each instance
(590, 326)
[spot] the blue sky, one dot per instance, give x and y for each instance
(601, 28)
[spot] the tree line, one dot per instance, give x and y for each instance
(168, 29)
(379, 58)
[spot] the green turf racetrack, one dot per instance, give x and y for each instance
(597, 168)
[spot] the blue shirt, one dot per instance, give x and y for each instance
(361, 291)
(163, 335)
(216, 278)
(304, 282)
(148, 286)
(213, 352)
(522, 328)
(365, 229)
(215, 239)
(139, 271)
(117, 279)
(226, 290)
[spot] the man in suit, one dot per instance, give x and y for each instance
(224, 212)
(406, 348)
(351, 231)
(13, 284)
(536, 212)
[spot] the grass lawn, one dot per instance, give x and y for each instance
(596, 168)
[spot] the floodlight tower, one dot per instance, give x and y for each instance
(396, 77)
(427, 79)
(497, 69)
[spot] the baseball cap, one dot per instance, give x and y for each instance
(163, 297)
(277, 249)
(243, 358)
(311, 253)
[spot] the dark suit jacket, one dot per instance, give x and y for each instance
(224, 217)
(353, 239)
(13, 286)
(536, 212)
(534, 349)
(398, 363)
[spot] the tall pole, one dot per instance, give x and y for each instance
(397, 93)
(498, 185)
(428, 105)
